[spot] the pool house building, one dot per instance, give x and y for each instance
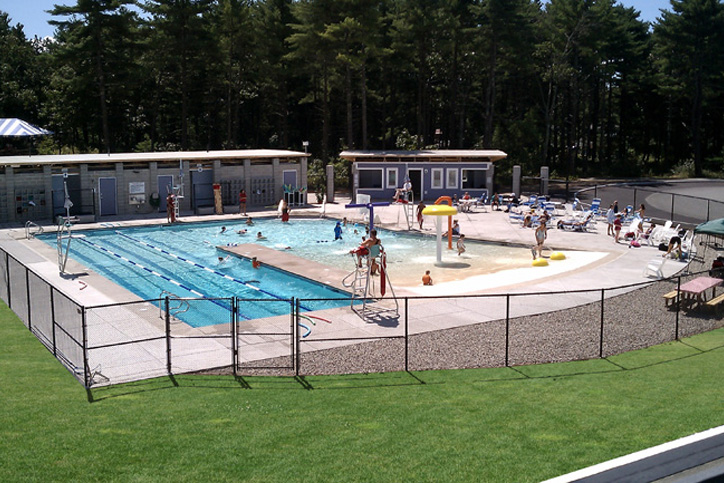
(432, 173)
(37, 188)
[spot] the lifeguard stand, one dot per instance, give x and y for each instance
(362, 283)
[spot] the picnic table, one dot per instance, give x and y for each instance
(695, 290)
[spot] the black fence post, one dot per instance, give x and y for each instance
(673, 197)
(678, 307)
(86, 374)
(292, 334)
(507, 327)
(407, 340)
(235, 330)
(52, 320)
(232, 325)
(600, 341)
(7, 270)
(168, 336)
(634, 200)
(297, 343)
(27, 296)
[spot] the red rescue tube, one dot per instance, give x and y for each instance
(383, 276)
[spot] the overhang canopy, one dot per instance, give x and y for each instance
(713, 227)
(163, 156)
(425, 155)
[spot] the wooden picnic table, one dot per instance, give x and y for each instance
(695, 290)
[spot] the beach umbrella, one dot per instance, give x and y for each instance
(439, 211)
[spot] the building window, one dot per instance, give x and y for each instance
(452, 179)
(392, 178)
(473, 179)
(436, 181)
(370, 179)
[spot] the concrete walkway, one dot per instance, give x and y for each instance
(593, 262)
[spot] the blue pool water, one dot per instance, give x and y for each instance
(183, 260)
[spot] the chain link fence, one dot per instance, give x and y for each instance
(116, 343)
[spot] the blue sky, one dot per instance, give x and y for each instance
(31, 13)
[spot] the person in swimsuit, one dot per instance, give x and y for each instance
(364, 248)
(674, 244)
(420, 218)
(242, 202)
(461, 245)
(540, 238)
(617, 223)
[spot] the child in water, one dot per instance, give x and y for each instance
(461, 245)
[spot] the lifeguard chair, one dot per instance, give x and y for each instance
(364, 288)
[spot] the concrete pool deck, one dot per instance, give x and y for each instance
(594, 261)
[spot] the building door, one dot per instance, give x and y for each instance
(202, 188)
(107, 196)
(289, 178)
(165, 186)
(415, 175)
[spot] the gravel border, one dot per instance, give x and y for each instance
(632, 320)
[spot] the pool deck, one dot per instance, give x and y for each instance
(594, 261)
(288, 262)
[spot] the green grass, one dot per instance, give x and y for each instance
(504, 424)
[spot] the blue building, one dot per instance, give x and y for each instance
(432, 173)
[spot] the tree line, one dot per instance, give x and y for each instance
(585, 87)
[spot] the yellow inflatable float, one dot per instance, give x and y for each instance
(558, 256)
(540, 262)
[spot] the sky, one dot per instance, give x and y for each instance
(31, 13)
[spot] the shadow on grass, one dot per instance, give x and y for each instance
(662, 354)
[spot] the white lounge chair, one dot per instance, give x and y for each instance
(655, 267)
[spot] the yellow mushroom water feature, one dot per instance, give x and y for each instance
(439, 211)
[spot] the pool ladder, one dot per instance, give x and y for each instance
(32, 229)
(63, 238)
(181, 307)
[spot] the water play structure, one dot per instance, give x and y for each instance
(439, 211)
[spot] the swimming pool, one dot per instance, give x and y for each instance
(183, 259)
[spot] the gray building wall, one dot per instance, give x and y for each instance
(26, 192)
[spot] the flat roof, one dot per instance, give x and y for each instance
(148, 157)
(442, 155)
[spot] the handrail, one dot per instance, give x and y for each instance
(29, 226)
(176, 309)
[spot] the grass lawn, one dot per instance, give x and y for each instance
(506, 424)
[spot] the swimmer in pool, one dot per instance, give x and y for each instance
(223, 259)
(249, 221)
(255, 263)
(259, 236)
(223, 229)
(242, 232)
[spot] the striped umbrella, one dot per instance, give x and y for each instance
(17, 127)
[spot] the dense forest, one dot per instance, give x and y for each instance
(583, 86)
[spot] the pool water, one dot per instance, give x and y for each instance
(183, 260)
